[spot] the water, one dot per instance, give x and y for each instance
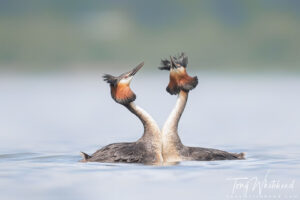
(46, 120)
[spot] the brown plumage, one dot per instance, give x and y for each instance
(180, 80)
(122, 93)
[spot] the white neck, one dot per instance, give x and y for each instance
(171, 139)
(152, 134)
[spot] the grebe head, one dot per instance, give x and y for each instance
(120, 86)
(179, 79)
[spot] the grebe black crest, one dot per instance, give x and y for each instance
(181, 83)
(148, 149)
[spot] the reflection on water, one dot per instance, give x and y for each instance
(47, 121)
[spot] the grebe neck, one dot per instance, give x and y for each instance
(152, 132)
(171, 140)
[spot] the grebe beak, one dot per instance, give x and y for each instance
(173, 65)
(127, 77)
(136, 69)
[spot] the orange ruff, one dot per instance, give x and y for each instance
(179, 78)
(121, 92)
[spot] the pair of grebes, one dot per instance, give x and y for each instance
(156, 147)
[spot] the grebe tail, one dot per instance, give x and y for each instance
(84, 156)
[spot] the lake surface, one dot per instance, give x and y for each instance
(46, 120)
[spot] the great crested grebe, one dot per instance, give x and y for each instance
(148, 148)
(173, 149)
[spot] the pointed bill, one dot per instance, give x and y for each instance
(136, 69)
(173, 64)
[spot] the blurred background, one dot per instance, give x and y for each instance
(47, 35)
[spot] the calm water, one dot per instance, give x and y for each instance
(46, 120)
